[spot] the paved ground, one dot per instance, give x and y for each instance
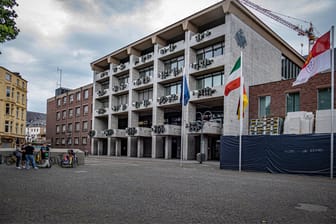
(130, 190)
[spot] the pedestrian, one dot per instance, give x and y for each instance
(30, 156)
(23, 158)
(18, 155)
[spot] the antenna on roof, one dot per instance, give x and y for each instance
(60, 78)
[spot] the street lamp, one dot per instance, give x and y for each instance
(201, 156)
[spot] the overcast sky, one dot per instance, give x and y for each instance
(70, 34)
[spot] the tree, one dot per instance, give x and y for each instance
(8, 28)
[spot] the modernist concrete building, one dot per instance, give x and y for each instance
(13, 108)
(136, 99)
(69, 118)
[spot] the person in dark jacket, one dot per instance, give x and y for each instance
(18, 155)
(29, 149)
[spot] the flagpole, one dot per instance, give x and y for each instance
(332, 105)
(182, 118)
(241, 109)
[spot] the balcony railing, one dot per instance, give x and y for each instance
(171, 48)
(101, 75)
(122, 86)
(173, 98)
(121, 67)
(142, 81)
(166, 74)
(142, 104)
(120, 107)
(143, 59)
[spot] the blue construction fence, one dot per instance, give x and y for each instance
(294, 154)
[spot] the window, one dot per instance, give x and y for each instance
(77, 126)
(71, 98)
(77, 111)
(13, 92)
(210, 80)
(63, 128)
(63, 141)
(58, 102)
(7, 109)
(64, 114)
(174, 64)
(264, 106)
(324, 99)
(70, 113)
(85, 125)
(8, 91)
(17, 97)
(22, 114)
(210, 51)
(146, 72)
(57, 129)
(17, 113)
(292, 102)
(78, 96)
(289, 70)
(57, 141)
(23, 84)
(84, 140)
(16, 128)
(8, 126)
(145, 94)
(122, 80)
(8, 77)
(123, 99)
(69, 141)
(173, 88)
(21, 129)
(85, 109)
(58, 115)
(23, 99)
(64, 100)
(86, 94)
(70, 127)
(76, 141)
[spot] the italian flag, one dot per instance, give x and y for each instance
(318, 60)
(233, 81)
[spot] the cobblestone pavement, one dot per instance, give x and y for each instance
(132, 190)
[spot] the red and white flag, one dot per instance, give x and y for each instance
(233, 81)
(318, 60)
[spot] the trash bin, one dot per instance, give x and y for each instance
(200, 157)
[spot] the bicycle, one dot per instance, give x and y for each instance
(10, 160)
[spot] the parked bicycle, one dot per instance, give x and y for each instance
(10, 159)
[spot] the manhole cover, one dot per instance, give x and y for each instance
(311, 207)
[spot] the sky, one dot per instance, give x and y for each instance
(68, 35)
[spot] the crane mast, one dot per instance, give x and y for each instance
(309, 32)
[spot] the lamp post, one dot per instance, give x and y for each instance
(202, 151)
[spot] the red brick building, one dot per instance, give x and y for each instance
(275, 99)
(69, 117)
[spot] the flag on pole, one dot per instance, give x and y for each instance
(233, 81)
(185, 91)
(318, 60)
(245, 103)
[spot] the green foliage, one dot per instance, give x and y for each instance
(8, 28)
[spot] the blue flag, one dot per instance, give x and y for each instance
(186, 95)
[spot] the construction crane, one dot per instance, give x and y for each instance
(308, 32)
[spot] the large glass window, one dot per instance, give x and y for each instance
(7, 109)
(173, 88)
(58, 115)
(85, 109)
(123, 99)
(8, 91)
(148, 71)
(210, 51)
(324, 99)
(86, 94)
(210, 80)
(289, 70)
(7, 126)
(292, 102)
(145, 94)
(174, 63)
(8, 77)
(264, 106)
(70, 127)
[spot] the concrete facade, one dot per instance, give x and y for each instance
(69, 118)
(13, 108)
(135, 111)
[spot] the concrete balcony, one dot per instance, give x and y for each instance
(101, 76)
(168, 100)
(102, 93)
(140, 105)
(119, 108)
(166, 130)
(205, 93)
(144, 59)
(120, 68)
(102, 111)
(142, 82)
(138, 132)
(171, 49)
(121, 88)
(170, 75)
(207, 63)
(208, 35)
(209, 128)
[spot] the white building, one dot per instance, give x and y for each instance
(136, 105)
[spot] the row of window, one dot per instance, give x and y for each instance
(9, 79)
(19, 112)
(68, 141)
(293, 102)
(71, 97)
(71, 112)
(10, 92)
(19, 129)
(68, 127)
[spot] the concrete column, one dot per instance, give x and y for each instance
(118, 147)
(168, 147)
(140, 147)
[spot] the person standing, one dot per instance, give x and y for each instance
(30, 156)
(18, 155)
